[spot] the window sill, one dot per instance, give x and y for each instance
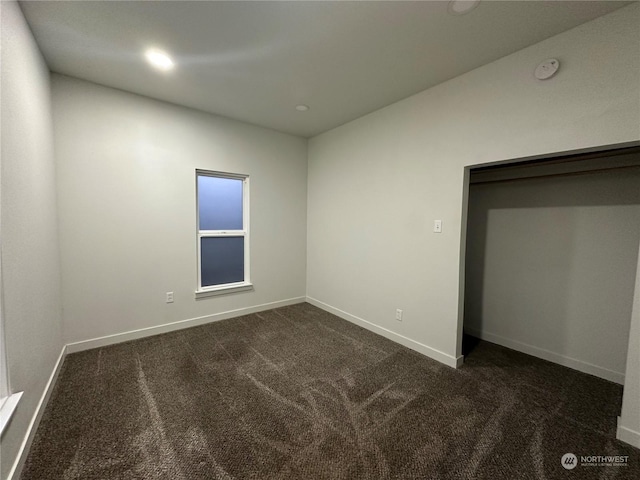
(225, 290)
(9, 406)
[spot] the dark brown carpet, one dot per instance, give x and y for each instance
(297, 393)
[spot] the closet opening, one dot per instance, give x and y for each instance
(550, 260)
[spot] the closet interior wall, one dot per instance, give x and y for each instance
(551, 259)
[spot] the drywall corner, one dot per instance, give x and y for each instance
(629, 420)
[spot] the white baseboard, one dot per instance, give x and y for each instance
(627, 435)
(425, 350)
(579, 365)
(16, 470)
(179, 325)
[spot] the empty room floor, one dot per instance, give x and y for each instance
(298, 393)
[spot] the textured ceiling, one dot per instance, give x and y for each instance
(254, 61)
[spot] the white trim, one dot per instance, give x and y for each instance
(246, 225)
(5, 388)
(8, 405)
(222, 233)
(425, 350)
(215, 173)
(554, 357)
(173, 326)
(35, 420)
(224, 289)
(627, 435)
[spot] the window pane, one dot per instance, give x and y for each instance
(219, 203)
(222, 260)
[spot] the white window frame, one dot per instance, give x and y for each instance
(227, 287)
(8, 401)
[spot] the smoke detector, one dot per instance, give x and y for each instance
(547, 69)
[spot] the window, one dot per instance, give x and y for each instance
(8, 402)
(223, 233)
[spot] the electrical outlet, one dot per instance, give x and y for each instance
(399, 315)
(437, 226)
(169, 297)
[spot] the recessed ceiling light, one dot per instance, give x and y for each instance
(302, 108)
(460, 7)
(159, 59)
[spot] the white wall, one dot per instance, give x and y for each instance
(551, 266)
(126, 182)
(31, 274)
(376, 184)
(629, 421)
